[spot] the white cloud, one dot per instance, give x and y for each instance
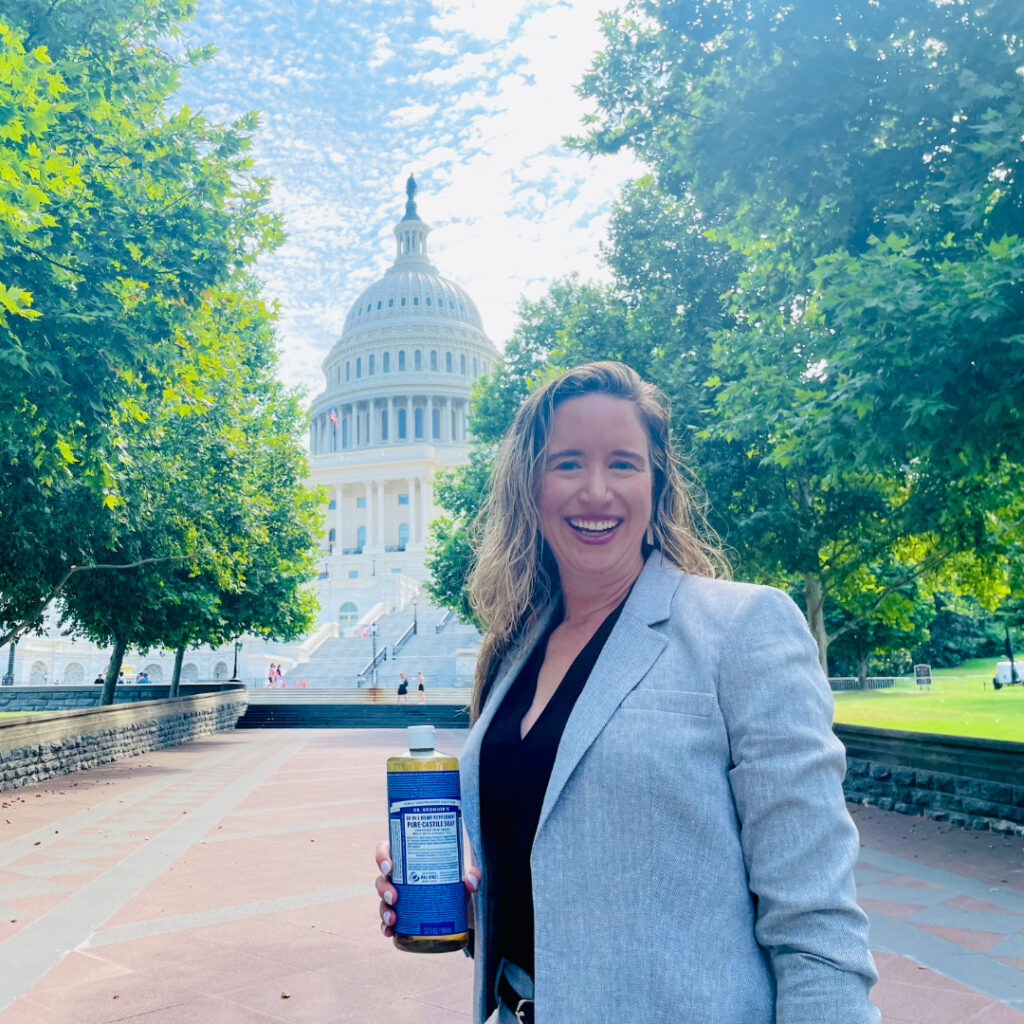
(472, 96)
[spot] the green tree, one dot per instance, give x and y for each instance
(118, 214)
(215, 497)
(862, 163)
(865, 159)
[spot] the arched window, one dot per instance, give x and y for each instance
(38, 672)
(386, 359)
(448, 368)
(359, 366)
(403, 536)
(462, 364)
(417, 422)
(155, 672)
(74, 674)
(361, 538)
(435, 424)
(372, 368)
(433, 360)
(401, 424)
(220, 670)
(401, 361)
(348, 615)
(417, 360)
(189, 673)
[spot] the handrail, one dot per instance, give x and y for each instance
(382, 655)
(410, 630)
(448, 616)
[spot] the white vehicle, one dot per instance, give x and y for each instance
(1005, 677)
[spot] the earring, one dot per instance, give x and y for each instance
(650, 535)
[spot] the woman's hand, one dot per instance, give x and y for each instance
(389, 895)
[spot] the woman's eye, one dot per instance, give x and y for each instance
(623, 464)
(567, 464)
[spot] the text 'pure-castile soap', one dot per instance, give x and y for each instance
(425, 827)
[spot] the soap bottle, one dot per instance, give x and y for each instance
(425, 827)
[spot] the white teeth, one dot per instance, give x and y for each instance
(594, 525)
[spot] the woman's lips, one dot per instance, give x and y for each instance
(594, 530)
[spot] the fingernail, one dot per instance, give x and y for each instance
(389, 897)
(388, 917)
(472, 883)
(385, 867)
(383, 929)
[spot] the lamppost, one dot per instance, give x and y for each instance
(373, 634)
(415, 627)
(234, 673)
(8, 679)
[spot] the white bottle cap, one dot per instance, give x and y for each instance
(421, 737)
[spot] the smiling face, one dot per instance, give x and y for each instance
(595, 491)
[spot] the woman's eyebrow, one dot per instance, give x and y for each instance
(619, 453)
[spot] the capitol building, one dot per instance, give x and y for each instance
(393, 413)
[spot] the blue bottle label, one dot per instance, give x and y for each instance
(425, 822)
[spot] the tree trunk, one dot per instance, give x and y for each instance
(862, 668)
(179, 657)
(816, 617)
(109, 684)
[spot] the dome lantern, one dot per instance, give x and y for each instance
(410, 232)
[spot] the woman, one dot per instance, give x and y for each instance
(403, 689)
(421, 687)
(651, 785)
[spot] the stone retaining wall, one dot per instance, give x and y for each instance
(67, 698)
(43, 746)
(969, 782)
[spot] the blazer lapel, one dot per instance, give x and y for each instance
(470, 755)
(628, 654)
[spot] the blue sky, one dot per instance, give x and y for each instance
(473, 96)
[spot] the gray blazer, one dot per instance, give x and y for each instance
(693, 861)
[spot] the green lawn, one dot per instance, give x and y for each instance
(961, 702)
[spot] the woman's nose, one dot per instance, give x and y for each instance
(595, 485)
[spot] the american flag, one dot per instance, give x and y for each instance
(334, 418)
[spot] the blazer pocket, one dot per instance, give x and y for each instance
(680, 702)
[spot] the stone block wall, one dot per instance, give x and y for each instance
(972, 783)
(68, 698)
(44, 746)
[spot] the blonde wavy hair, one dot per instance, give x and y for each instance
(515, 574)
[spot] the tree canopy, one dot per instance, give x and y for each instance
(143, 425)
(822, 271)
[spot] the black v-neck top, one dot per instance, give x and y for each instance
(514, 775)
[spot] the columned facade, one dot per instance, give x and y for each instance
(393, 413)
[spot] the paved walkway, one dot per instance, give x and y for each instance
(230, 882)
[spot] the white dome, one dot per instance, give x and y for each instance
(412, 292)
